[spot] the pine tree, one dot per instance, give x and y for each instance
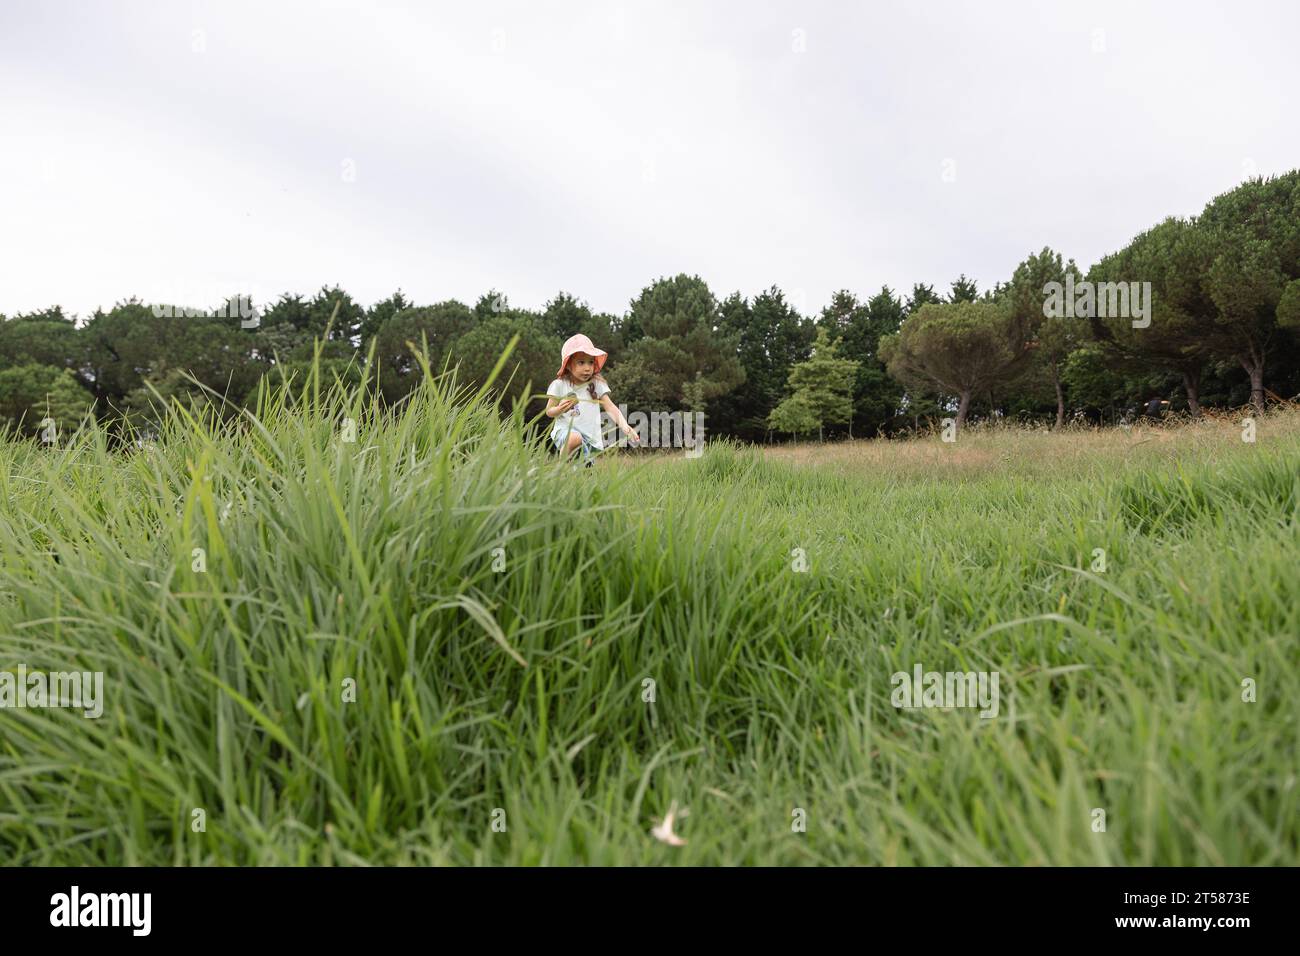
(821, 391)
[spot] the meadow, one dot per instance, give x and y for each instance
(332, 634)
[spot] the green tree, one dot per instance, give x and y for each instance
(378, 314)
(47, 337)
(1055, 336)
(743, 411)
(821, 390)
(876, 396)
(1173, 257)
(31, 393)
(960, 348)
(921, 295)
(1092, 380)
(796, 415)
(490, 304)
(963, 290)
(1254, 235)
(529, 368)
(396, 340)
(1288, 306)
(132, 341)
(682, 345)
(771, 336)
(312, 316)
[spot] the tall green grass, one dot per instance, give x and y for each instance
(520, 695)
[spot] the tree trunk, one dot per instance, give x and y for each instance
(962, 408)
(1255, 368)
(1060, 401)
(1192, 382)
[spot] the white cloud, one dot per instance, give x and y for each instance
(593, 147)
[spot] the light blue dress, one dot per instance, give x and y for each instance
(583, 419)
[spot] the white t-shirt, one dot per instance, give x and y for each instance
(583, 417)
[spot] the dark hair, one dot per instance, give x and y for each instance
(591, 386)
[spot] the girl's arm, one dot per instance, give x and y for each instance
(607, 403)
(556, 407)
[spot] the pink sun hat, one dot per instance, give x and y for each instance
(580, 343)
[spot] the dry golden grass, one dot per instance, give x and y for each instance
(982, 449)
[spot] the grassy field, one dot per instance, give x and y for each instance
(343, 680)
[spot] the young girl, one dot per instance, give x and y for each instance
(576, 397)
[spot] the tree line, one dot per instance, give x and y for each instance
(1208, 315)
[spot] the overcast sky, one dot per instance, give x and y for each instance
(182, 151)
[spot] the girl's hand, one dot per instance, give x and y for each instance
(565, 405)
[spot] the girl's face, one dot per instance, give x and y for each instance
(582, 367)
